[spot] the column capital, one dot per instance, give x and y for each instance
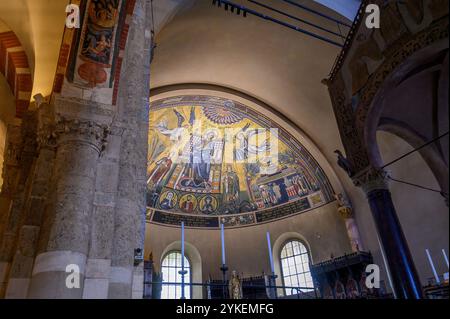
(46, 137)
(13, 145)
(84, 131)
(371, 179)
(46, 134)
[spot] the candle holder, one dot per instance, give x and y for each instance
(224, 269)
(182, 273)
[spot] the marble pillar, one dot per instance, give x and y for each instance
(126, 279)
(404, 279)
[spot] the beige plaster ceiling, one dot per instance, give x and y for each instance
(39, 25)
(200, 43)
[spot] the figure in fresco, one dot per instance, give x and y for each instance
(187, 155)
(268, 166)
(301, 190)
(231, 187)
(265, 194)
(245, 149)
(187, 204)
(159, 172)
(98, 48)
(272, 195)
(203, 153)
(296, 186)
(175, 133)
(169, 200)
(103, 13)
(277, 191)
(208, 205)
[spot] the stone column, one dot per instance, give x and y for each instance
(65, 233)
(26, 156)
(126, 280)
(10, 173)
(96, 283)
(403, 274)
(25, 251)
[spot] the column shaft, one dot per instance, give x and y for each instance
(405, 280)
(126, 281)
(65, 233)
(25, 252)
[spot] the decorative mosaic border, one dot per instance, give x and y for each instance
(159, 217)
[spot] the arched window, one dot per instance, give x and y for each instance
(295, 267)
(170, 268)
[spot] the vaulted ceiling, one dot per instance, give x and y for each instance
(202, 44)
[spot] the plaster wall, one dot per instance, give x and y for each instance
(246, 248)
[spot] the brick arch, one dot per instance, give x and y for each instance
(14, 66)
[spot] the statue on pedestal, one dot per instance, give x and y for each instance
(346, 211)
(235, 286)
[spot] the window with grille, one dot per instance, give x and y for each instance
(170, 269)
(295, 267)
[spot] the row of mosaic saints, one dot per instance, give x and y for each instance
(190, 170)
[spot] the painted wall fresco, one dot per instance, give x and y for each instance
(196, 167)
(90, 62)
(95, 53)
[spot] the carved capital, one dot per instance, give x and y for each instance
(13, 146)
(47, 137)
(372, 179)
(46, 130)
(82, 131)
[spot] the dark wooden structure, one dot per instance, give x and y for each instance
(148, 279)
(344, 278)
(439, 291)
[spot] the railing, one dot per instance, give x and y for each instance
(310, 294)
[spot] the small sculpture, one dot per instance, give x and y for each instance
(235, 286)
(344, 163)
(344, 206)
(342, 200)
(346, 211)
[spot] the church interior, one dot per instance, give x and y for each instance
(215, 149)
